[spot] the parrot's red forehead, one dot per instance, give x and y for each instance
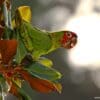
(70, 34)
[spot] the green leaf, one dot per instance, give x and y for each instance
(42, 72)
(21, 51)
(23, 95)
(1, 96)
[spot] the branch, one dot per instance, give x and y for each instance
(5, 12)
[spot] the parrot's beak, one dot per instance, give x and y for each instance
(71, 43)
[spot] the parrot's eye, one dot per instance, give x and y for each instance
(69, 34)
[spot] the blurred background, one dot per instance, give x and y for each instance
(80, 66)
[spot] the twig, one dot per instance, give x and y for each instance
(5, 12)
(9, 15)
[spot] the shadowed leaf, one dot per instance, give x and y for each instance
(19, 92)
(21, 51)
(1, 2)
(40, 71)
(13, 90)
(1, 17)
(1, 31)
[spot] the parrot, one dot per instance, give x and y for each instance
(39, 42)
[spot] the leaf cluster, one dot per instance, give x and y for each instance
(17, 65)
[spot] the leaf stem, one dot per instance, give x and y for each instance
(5, 12)
(9, 15)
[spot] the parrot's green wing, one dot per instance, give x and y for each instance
(37, 42)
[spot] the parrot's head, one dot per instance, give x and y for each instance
(69, 39)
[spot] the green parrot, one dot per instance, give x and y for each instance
(38, 42)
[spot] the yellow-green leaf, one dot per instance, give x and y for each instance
(45, 61)
(25, 13)
(58, 87)
(17, 81)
